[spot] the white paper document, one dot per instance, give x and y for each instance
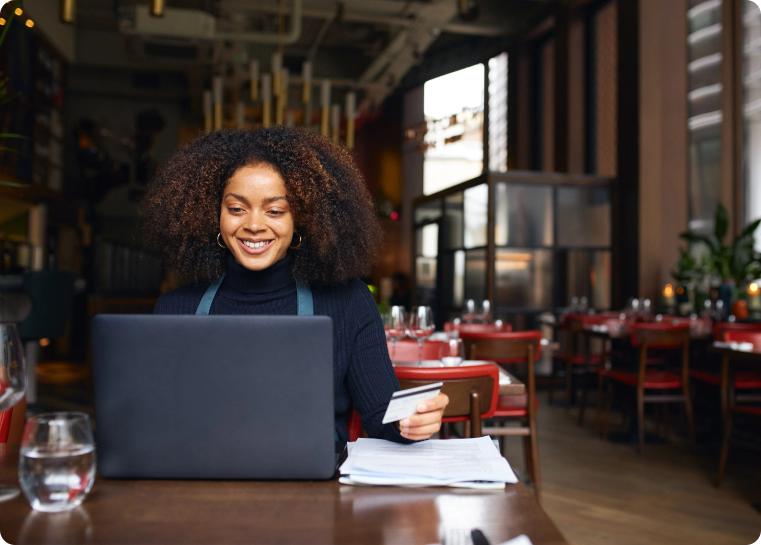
(473, 463)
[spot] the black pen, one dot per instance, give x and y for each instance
(478, 537)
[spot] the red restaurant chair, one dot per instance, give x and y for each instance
(5, 424)
(354, 425)
(576, 362)
(655, 336)
(524, 347)
(473, 391)
(744, 380)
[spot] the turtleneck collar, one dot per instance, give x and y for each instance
(276, 277)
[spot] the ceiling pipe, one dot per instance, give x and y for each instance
(290, 37)
(68, 11)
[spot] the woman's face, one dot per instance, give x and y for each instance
(256, 221)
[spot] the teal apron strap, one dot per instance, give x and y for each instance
(304, 300)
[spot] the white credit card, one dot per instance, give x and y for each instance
(404, 402)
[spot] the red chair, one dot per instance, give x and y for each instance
(473, 391)
(576, 362)
(407, 351)
(744, 380)
(655, 336)
(354, 425)
(524, 347)
(5, 425)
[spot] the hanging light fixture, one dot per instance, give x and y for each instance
(282, 96)
(266, 99)
(276, 65)
(351, 107)
(157, 7)
(68, 10)
(306, 77)
(218, 91)
(335, 121)
(325, 103)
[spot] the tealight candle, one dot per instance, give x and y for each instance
(669, 300)
(754, 297)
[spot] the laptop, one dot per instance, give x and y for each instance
(214, 397)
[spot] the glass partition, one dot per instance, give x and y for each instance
(476, 216)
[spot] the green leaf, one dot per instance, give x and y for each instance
(10, 135)
(750, 229)
(721, 222)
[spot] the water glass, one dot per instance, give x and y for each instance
(395, 324)
(420, 328)
(57, 462)
(451, 352)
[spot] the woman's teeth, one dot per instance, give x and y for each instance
(256, 244)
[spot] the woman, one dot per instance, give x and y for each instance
(285, 215)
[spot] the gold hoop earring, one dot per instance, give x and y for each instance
(219, 243)
(298, 245)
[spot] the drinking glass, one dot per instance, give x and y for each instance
(420, 328)
(469, 312)
(57, 462)
(451, 352)
(395, 324)
(12, 380)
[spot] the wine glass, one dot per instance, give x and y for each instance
(451, 352)
(469, 313)
(12, 381)
(395, 324)
(420, 328)
(485, 314)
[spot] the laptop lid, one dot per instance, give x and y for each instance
(214, 397)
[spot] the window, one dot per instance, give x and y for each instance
(752, 111)
(453, 106)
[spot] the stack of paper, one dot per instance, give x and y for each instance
(467, 463)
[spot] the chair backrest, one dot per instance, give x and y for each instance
(407, 350)
(354, 425)
(721, 328)
(473, 391)
(660, 335)
(5, 424)
(503, 327)
(749, 336)
(51, 293)
(508, 347)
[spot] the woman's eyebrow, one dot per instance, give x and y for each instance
(273, 199)
(239, 197)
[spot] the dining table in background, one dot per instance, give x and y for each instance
(325, 512)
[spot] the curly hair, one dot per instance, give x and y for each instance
(331, 206)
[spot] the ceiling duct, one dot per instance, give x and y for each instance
(197, 24)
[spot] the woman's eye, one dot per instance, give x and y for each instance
(234, 210)
(276, 212)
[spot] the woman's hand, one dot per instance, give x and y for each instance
(428, 420)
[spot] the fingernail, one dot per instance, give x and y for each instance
(405, 423)
(422, 407)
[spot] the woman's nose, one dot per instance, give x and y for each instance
(256, 222)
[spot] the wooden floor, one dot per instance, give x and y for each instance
(602, 493)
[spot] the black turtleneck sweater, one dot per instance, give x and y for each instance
(363, 375)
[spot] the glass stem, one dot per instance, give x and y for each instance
(420, 353)
(393, 352)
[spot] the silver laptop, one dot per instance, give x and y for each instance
(214, 397)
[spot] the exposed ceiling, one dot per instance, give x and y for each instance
(370, 45)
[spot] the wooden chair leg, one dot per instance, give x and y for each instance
(608, 404)
(688, 412)
(583, 400)
(552, 380)
(536, 477)
(599, 403)
(467, 429)
(475, 415)
(568, 384)
(527, 457)
(640, 420)
(724, 452)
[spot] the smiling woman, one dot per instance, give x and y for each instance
(260, 217)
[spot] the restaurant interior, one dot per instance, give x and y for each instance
(593, 237)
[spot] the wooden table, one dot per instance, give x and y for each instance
(206, 512)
